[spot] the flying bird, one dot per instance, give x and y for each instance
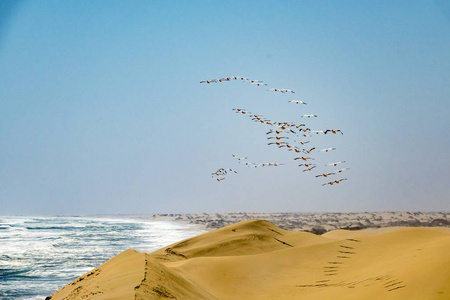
(339, 180)
(258, 83)
(296, 149)
(309, 151)
(239, 158)
(304, 158)
(327, 149)
(336, 163)
(307, 165)
(333, 182)
(309, 116)
(297, 102)
(286, 145)
(276, 143)
(274, 131)
(333, 131)
(341, 170)
(309, 169)
(325, 175)
(209, 81)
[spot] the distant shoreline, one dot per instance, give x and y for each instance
(317, 223)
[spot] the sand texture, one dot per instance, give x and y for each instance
(257, 260)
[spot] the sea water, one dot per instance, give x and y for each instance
(39, 255)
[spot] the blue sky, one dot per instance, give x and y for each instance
(101, 109)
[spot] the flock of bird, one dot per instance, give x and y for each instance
(280, 134)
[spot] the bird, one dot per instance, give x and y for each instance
(220, 179)
(209, 81)
(274, 131)
(304, 158)
(309, 169)
(307, 165)
(317, 131)
(309, 151)
(339, 180)
(309, 116)
(239, 158)
(286, 91)
(333, 182)
(278, 137)
(258, 83)
(334, 131)
(336, 163)
(276, 143)
(341, 170)
(327, 149)
(325, 175)
(286, 145)
(297, 150)
(302, 143)
(297, 102)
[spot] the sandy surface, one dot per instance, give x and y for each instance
(257, 260)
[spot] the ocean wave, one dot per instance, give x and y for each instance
(60, 249)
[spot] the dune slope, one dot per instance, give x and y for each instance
(257, 260)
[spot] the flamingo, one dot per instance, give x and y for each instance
(336, 163)
(297, 102)
(325, 175)
(327, 149)
(334, 131)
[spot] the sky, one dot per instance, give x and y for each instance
(102, 110)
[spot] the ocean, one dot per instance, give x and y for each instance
(39, 255)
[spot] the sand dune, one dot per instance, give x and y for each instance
(257, 260)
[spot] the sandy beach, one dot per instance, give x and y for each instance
(255, 259)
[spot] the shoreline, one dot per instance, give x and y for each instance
(317, 223)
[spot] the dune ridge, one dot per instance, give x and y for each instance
(257, 260)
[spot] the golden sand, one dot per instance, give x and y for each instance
(257, 260)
